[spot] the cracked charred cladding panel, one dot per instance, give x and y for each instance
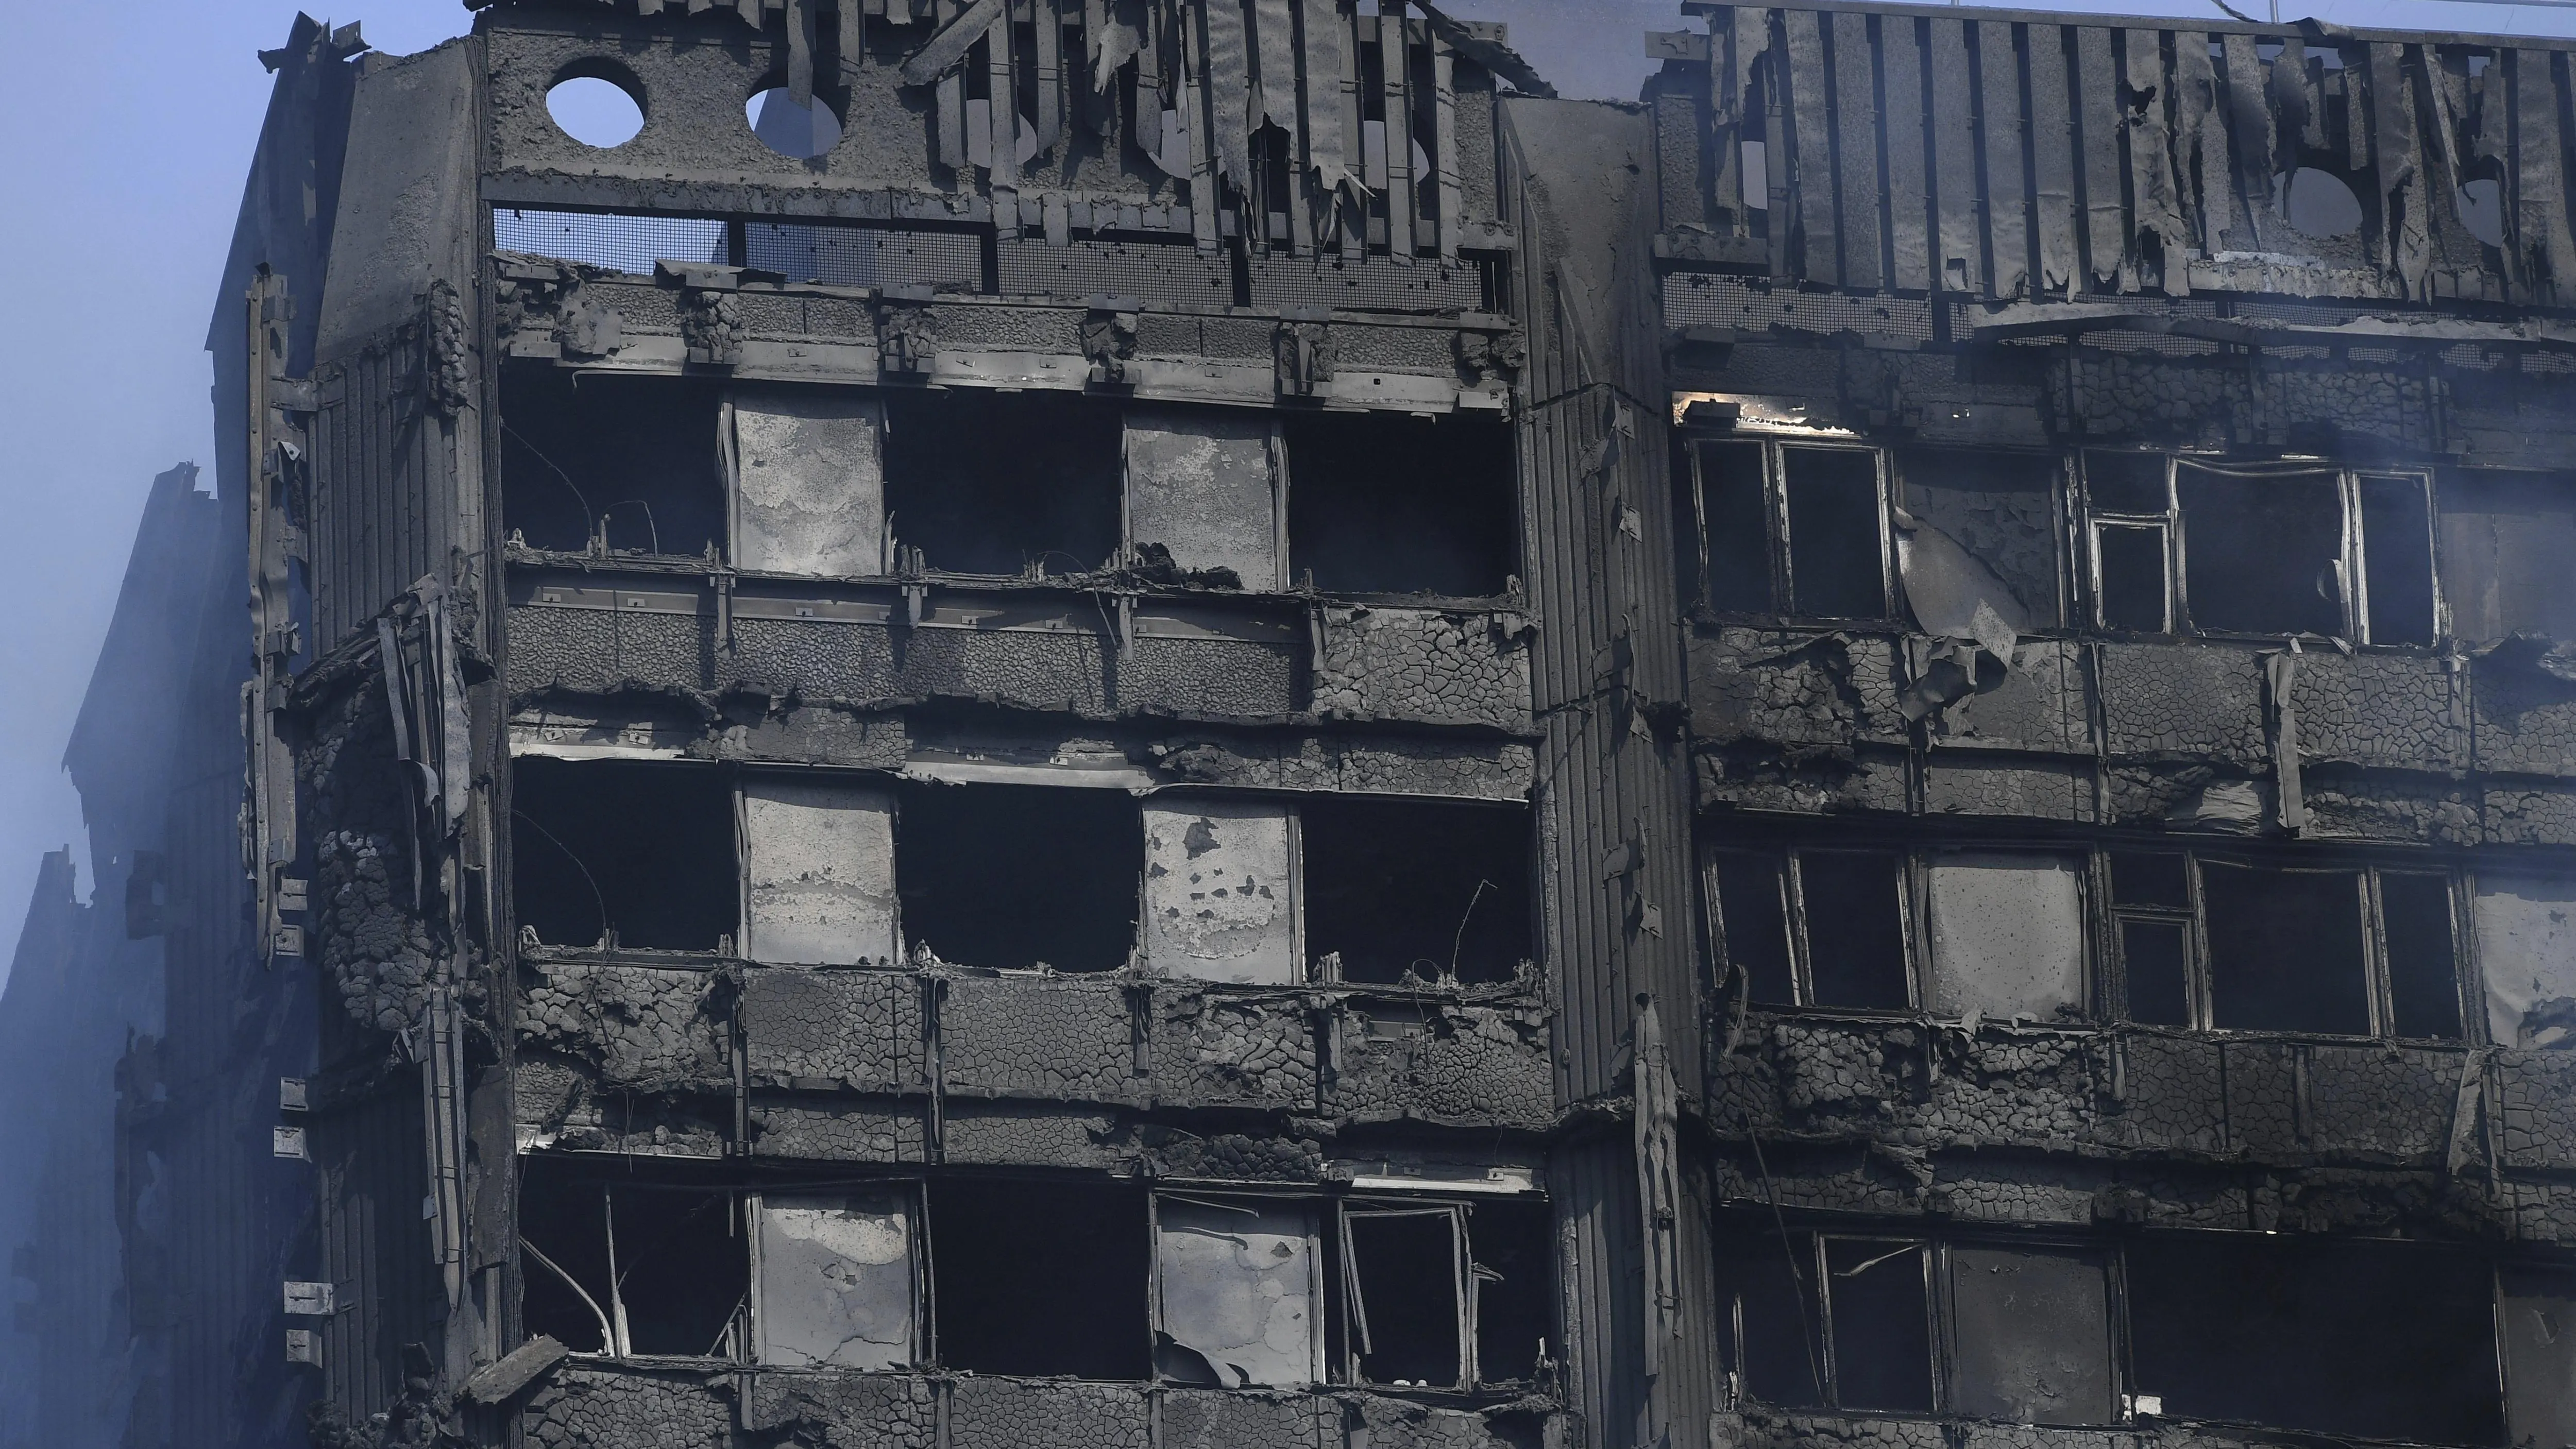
(1201, 486)
(631, 459)
(2526, 933)
(2392, 1340)
(818, 861)
(2007, 935)
(808, 473)
(642, 852)
(1220, 891)
(833, 1281)
(1429, 889)
(1386, 503)
(1012, 876)
(1002, 483)
(1238, 1289)
(597, 1408)
(2506, 539)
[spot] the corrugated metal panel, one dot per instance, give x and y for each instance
(386, 505)
(375, 1245)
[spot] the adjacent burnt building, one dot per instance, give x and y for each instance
(1144, 723)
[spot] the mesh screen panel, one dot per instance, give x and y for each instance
(619, 241)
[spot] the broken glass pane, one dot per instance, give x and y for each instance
(1404, 1302)
(2033, 1330)
(1837, 562)
(1882, 1332)
(1757, 927)
(1236, 1279)
(2262, 555)
(835, 1284)
(2397, 559)
(2007, 935)
(2131, 483)
(2423, 975)
(1779, 1350)
(2155, 960)
(1855, 929)
(1737, 527)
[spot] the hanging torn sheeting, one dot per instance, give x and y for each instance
(2021, 159)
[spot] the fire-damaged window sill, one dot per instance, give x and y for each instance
(1752, 1423)
(1761, 1017)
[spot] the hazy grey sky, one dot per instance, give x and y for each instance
(123, 180)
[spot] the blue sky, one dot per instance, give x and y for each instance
(123, 183)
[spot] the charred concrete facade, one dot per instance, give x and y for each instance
(1176, 723)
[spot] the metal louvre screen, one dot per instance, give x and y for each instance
(1374, 285)
(1162, 271)
(620, 241)
(851, 256)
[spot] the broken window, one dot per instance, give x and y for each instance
(1018, 876)
(2030, 1330)
(2001, 508)
(808, 474)
(1039, 1276)
(2390, 1340)
(2152, 913)
(1430, 889)
(1201, 487)
(1017, 484)
(1405, 1284)
(2006, 932)
(1826, 1320)
(2285, 949)
(2526, 930)
(2506, 539)
(1814, 926)
(2191, 543)
(835, 1279)
(2422, 955)
(818, 872)
(630, 1264)
(600, 463)
(1388, 503)
(2537, 1307)
(623, 852)
(1511, 1243)
(1792, 529)
(1237, 1282)
(1220, 891)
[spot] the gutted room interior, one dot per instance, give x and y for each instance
(1179, 724)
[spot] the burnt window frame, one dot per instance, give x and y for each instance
(2092, 521)
(2200, 993)
(1915, 859)
(1782, 584)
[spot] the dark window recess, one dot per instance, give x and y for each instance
(2260, 552)
(2285, 949)
(682, 1270)
(2150, 878)
(2001, 508)
(1513, 1245)
(1882, 1326)
(1039, 1277)
(1779, 1321)
(1855, 929)
(2155, 958)
(616, 848)
(1003, 483)
(2397, 560)
(2388, 1340)
(1384, 503)
(1749, 898)
(2506, 539)
(1404, 1296)
(2423, 970)
(1736, 526)
(1012, 876)
(2132, 592)
(2130, 483)
(2031, 1329)
(632, 459)
(1426, 887)
(1837, 554)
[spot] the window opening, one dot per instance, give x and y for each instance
(835, 1279)
(2285, 949)
(1020, 484)
(1791, 529)
(624, 853)
(799, 133)
(1387, 503)
(1851, 908)
(2129, 584)
(1200, 487)
(2030, 1334)
(2397, 558)
(2006, 931)
(1418, 889)
(1513, 1294)
(1751, 890)
(2423, 960)
(637, 1266)
(1999, 507)
(1018, 876)
(1405, 1284)
(592, 463)
(807, 466)
(1035, 1276)
(1879, 1323)
(2389, 1340)
(1237, 1283)
(2263, 550)
(596, 110)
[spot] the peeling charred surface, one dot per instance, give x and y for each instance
(583, 1408)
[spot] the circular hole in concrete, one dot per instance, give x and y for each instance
(799, 133)
(595, 110)
(2321, 204)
